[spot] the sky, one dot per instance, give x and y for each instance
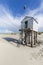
(12, 12)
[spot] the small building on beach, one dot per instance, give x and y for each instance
(28, 31)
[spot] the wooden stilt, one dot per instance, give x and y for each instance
(34, 38)
(31, 39)
(25, 39)
(21, 37)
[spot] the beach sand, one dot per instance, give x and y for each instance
(10, 54)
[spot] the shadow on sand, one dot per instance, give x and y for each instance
(11, 40)
(15, 41)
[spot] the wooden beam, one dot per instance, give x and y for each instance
(34, 37)
(31, 39)
(25, 39)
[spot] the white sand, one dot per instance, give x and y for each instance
(10, 54)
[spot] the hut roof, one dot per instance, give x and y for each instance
(30, 18)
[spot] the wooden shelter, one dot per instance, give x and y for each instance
(28, 31)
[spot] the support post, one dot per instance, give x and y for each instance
(25, 39)
(22, 36)
(31, 39)
(34, 37)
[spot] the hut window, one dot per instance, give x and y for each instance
(26, 24)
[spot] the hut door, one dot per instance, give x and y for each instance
(26, 24)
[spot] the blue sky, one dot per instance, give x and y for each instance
(12, 12)
(16, 6)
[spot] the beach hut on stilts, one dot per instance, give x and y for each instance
(29, 31)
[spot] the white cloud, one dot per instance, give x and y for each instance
(7, 31)
(7, 20)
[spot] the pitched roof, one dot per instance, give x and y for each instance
(30, 17)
